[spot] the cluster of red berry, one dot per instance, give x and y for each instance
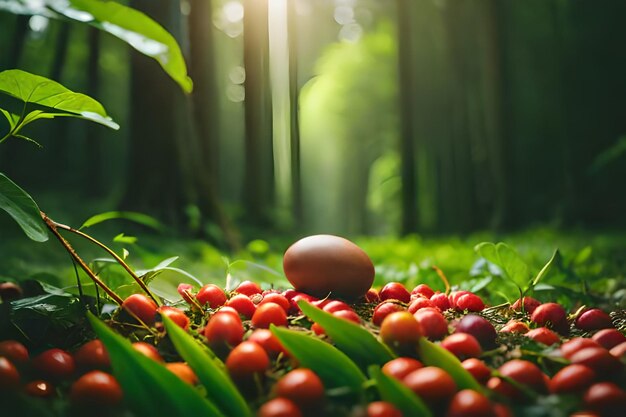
(235, 326)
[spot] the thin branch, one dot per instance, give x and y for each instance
(115, 256)
(53, 228)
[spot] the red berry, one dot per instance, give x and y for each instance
(433, 324)
(224, 329)
(276, 299)
(619, 351)
(400, 329)
(302, 386)
(185, 291)
(571, 379)
(141, 306)
(470, 302)
(10, 291)
(212, 295)
(478, 369)
(551, 315)
(574, 345)
(242, 304)
(423, 290)
(395, 291)
(462, 345)
(348, 315)
(606, 398)
(55, 363)
(383, 309)
(469, 403)
(279, 407)
(382, 409)
(92, 355)
(515, 326)
(440, 301)
(420, 303)
(294, 309)
(247, 359)
(401, 367)
(40, 389)
(454, 296)
(148, 351)
(529, 304)
(96, 388)
(177, 315)
(478, 327)
(598, 359)
(248, 288)
(14, 351)
(334, 305)
(372, 296)
(525, 373)
(432, 384)
(268, 341)
(543, 335)
(609, 338)
(182, 371)
(267, 314)
(594, 319)
(9, 376)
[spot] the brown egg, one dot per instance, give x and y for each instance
(325, 264)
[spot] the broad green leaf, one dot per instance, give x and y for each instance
(334, 368)
(137, 30)
(356, 342)
(149, 388)
(546, 268)
(128, 24)
(488, 251)
(210, 371)
(23, 209)
(506, 258)
(434, 355)
(514, 266)
(393, 391)
(31, 88)
(140, 218)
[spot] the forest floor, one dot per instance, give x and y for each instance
(592, 259)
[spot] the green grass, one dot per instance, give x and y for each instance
(590, 260)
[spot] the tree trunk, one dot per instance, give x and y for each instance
(155, 180)
(259, 169)
(294, 95)
(407, 94)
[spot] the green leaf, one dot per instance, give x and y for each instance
(149, 388)
(134, 28)
(513, 265)
(210, 371)
(122, 238)
(546, 268)
(31, 88)
(23, 209)
(506, 258)
(393, 391)
(356, 342)
(334, 368)
(139, 218)
(13, 119)
(434, 355)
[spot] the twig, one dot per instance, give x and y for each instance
(115, 256)
(53, 228)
